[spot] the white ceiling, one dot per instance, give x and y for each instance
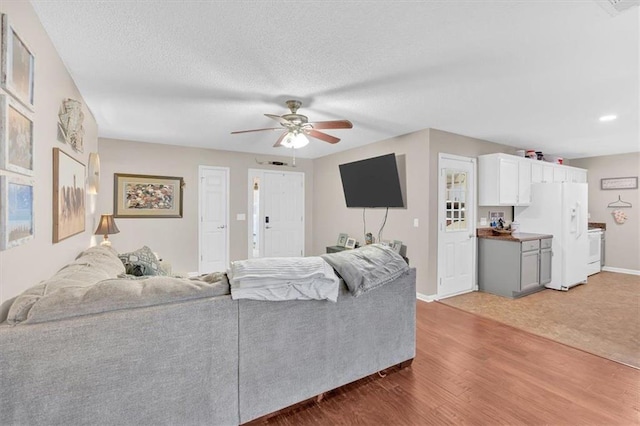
(533, 74)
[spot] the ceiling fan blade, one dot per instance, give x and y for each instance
(255, 130)
(279, 119)
(336, 124)
(322, 136)
(279, 141)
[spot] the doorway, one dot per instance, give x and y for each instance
(276, 213)
(456, 225)
(213, 229)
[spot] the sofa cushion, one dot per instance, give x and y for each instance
(91, 266)
(141, 262)
(121, 293)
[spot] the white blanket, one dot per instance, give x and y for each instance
(283, 278)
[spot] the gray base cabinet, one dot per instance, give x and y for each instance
(513, 268)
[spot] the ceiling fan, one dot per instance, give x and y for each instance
(297, 127)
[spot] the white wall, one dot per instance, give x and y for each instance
(26, 265)
(622, 240)
(176, 239)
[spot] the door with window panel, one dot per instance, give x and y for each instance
(456, 231)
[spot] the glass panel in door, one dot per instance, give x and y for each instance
(456, 196)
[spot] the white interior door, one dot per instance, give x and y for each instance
(276, 202)
(214, 219)
(456, 225)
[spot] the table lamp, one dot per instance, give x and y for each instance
(106, 226)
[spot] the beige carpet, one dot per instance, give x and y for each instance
(601, 317)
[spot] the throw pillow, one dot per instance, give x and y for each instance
(141, 262)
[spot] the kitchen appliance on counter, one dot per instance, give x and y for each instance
(594, 264)
(560, 209)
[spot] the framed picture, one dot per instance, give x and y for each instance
(17, 64)
(140, 196)
(351, 243)
(16, 211)
(68, 196)
(342, 240)
(619, 183)
(396, 245)
(16, 137)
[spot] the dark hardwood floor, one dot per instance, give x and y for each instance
(472, 370)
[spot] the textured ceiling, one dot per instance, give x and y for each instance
(532, 74)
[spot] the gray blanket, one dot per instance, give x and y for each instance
(367, 267)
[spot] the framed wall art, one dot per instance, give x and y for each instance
(70, 129)
(17, 64)
(146, 196)
(68, 196)
(16, 211)
(16, 137)
(619, 183)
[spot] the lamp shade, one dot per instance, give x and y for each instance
(107, 225)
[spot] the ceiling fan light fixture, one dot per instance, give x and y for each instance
(609, 117)
(295, 140)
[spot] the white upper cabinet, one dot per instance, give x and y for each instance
(505, 180)
(560, 174)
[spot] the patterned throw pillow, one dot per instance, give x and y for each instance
(141, 262)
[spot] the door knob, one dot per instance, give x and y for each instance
(267, 227)
(221, 227)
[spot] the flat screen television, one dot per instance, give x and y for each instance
(373, 182)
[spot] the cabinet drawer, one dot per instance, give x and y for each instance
(545, 243)
(530, 245)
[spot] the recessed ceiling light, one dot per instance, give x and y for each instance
(608, 117)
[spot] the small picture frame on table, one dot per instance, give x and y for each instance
(342, 240)
(396, 246)
(351, 243)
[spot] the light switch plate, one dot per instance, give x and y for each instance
(416, 222)
(241, 216)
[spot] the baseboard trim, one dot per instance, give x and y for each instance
(621, 270)
(426, 297)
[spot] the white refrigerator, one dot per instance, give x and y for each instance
(560, 209)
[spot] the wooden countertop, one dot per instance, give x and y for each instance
(516, 237)
(600, 225)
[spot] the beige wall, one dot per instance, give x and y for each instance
(622, 241)
(331, 216)
(419, 151)
(36, 260)
(451, 143)
(176, 240)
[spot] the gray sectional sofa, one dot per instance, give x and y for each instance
(86, 347)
